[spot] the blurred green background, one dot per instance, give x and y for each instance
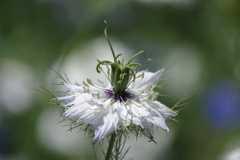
(200, 38)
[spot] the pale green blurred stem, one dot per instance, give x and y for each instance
(110, 146)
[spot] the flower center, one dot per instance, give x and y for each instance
(119, 73)
(123, 97)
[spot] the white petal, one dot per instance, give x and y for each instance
(66, 99)
(93, 113)
(147, 127)
(162, 109)
(89, 116)
(131, 113)
(138, 110)
(73, 87)
(137, 121)
(76, 111)
(81, 103)
(158, 121)
(123, 114)
(105, 126)
(84, 97)
(149, 77)
(159, 113)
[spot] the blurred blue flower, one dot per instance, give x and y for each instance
(222, 105)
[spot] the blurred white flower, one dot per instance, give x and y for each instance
(186, 71)
(50, 134)
(16, 83)
(105, 111)
(232, 155)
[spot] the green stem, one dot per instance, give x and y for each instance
(110, 147)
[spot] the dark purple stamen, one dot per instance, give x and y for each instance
(126, 94)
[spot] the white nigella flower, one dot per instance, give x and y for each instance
(124, 98)
(105, 111)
